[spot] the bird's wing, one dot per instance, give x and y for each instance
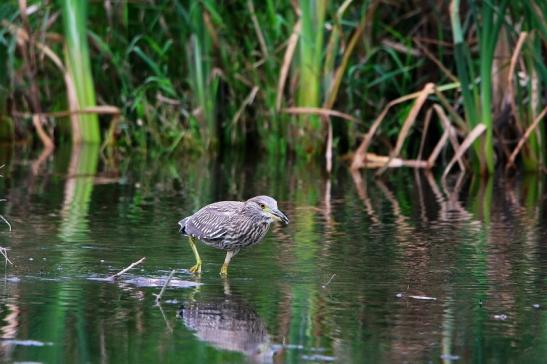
(212, 221)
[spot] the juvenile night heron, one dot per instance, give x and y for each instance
(231, 226)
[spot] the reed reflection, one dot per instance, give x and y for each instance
(228, 322)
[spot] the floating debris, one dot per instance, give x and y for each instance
(318, 357)
(172, 302)
(501, 317)
(159, 282)
(328, 282)
(450, 357)
(278, 347)
(25, 342)
(317, 349)
(423, 298)
(536, 306)
(144, 282)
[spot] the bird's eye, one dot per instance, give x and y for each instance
(262, 206)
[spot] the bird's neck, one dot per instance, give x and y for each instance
(252, 212)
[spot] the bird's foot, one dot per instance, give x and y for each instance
(224, 270)
(196, 268)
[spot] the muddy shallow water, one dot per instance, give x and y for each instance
(405, 269)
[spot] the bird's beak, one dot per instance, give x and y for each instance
(277, 214)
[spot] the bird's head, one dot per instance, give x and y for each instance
(267, 207)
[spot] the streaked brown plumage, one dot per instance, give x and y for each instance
(231, 226)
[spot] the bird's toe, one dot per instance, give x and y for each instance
(195, 269)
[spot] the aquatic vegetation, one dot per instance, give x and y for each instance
(85, 127)
(304, 78)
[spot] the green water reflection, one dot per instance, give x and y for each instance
(337, 284)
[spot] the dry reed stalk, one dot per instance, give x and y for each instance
(512, 67)
(378, 161)
(258, 31)
(339, 74)
(409, 121)
(334, 39)
(335, 85)
(458, 120)
(401, 48)
(248, 101)
(424, 132)
(358, 156)
(525, 137)
(320, 111)
(44, 137)
(23, 36)
(467, 142)
(451, 132)
(101, 110)
(437, 150)
(23, 39)
(287, 60)
(434, 59)
(501, 78)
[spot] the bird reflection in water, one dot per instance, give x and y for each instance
(227, 322)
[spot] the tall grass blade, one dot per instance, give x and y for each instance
(79, 68)
(311, 55)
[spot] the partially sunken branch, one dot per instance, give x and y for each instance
(158, 296)
(120, 273)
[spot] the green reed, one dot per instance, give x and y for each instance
(79, 69)
(196, 76)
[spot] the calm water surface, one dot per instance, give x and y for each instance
(405, 269)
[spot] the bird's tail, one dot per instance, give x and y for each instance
(182, 224)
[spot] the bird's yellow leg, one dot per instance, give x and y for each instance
(224, 269)
(197, 267)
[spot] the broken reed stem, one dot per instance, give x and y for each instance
(512, 67)
(361, 152)
(445, 122)
(462, 125)
(287, 60)
(330, 280)
(117, 275)
(158, 296)
(4, 252)
(424, 132)
(6, 221)
(435, 60)
(321, 112)
(525, 137)
(44, 137)
(467, 142)
(437, 150)
(258, 31)
(409, 121)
